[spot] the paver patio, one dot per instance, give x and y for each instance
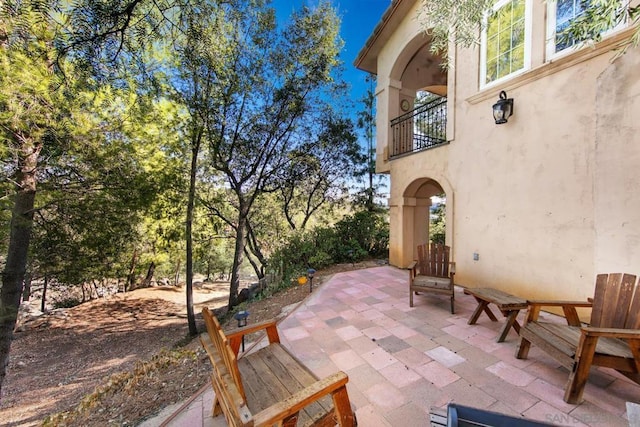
(402, 361)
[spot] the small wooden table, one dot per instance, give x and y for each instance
(508, 304)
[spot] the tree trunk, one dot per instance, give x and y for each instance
(16, 260)
(131, 278)
(176, 276)
(191, 318)
(44, 293)
(254, 247)
(149, 277)
(238, 256)
(26, 291)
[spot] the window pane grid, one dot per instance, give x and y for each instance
(505, 40)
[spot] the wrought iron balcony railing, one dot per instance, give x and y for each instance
(422, 128)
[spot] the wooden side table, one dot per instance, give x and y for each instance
(508, 304)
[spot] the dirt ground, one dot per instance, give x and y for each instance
(119, 360)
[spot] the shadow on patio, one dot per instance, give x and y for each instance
(402, 361)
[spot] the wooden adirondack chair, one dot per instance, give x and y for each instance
(612, 339)
(432, 272)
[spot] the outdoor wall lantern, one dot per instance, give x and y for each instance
(503, 109)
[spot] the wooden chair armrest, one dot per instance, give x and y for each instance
(568, 307)
(235, 335)
(296, 402)
(452, 268)
(412, 266)
(555, 303)
(611, 332)
(249, 329)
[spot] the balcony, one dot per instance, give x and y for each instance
(419, 129)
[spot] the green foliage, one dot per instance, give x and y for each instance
(67, 302)
(437, 226)
(459, 21)
(600, 16)
(352, 239)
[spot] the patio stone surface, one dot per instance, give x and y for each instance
(402, 360)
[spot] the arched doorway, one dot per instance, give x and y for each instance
(421, 200)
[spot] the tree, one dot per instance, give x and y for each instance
(366, 121)
(269, 106)
(34, 121)
(318, 171)
(43, 97)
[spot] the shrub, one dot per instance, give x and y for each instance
(354, 238)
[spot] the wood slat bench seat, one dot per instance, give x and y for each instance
(270, 386)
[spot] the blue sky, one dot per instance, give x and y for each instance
(359, 18)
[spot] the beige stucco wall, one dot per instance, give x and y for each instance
(547, 200)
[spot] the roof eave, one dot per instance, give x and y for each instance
(367, 59)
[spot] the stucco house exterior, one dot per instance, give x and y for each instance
(536, 206)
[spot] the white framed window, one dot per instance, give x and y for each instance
(560, 14)
(506, 41)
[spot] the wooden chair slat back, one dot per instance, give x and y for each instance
(219, 339)
(433, 260)
(612, 301)
(633, 319)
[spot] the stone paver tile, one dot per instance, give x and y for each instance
(516, 398)
(437, 373)
(349, 314)
(409, 415)
(451, 343)
(412, 357)
(550, 373)
(399, 374)
(473, 374)
(372, 314)
(402, 332)
(326, 314)
(348, 332)
(362, 344)
(295, 333)
(421, 343)
(376, 332)
(382, 306)
(445, 356)
(392, 344)
(460, 332)
(369, 416)
(488, 345)
(386, 322)
(593, 415)
(385, 396)
(379, 358)
(468, 394)
(613, 398)
(549, 393)
(346, 360)
(364, 377)
(511, 374)
(544, 412)
(477, 357)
